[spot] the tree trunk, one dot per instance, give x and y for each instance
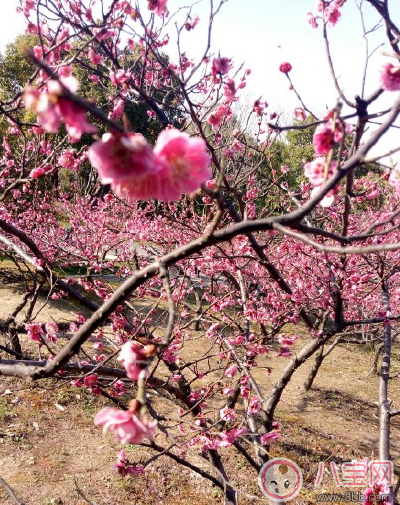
(15, 344)
(270, 404)
(319, 358)
(384, 406)
(377, 353)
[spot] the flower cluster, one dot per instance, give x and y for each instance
(286, 341)
(124, 467)
(375, 493)
(394, 180)
(329, 13)
(158, 6)
(177, 164)
(328, 134)
(216, 118)
(53, 108)
(220, 66)
(318, 173)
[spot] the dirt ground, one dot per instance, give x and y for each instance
(52, 454)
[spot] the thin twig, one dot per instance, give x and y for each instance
(10, 492)
(82, 494)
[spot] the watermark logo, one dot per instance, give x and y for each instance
(359, 473)
(280, 479)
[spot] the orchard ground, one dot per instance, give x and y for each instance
(52, 454)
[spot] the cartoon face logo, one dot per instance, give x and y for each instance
(280, 479)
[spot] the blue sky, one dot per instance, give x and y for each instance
(265, 33)
(262, 34)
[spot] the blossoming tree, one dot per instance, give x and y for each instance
(222, 243)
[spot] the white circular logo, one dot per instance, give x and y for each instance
(280, 479)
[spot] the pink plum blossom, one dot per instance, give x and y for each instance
(254, 406)
(126, 426)
(259, 107)
(283, 352)
(192, 23)
(300, 114)
(121, 157)
(52, 108)
(229, 88)
(227, 414)
(120, 77)
(185, 164)
(237, 340)
(91, 380)
(317, 172)
(94, 57)
(377, 492)
(124, 468)
(216, 118)
(36, 173)
(332, 14)
(74, 118)
(390, 77)
(330, 11)
(323, 140)
(312, 20)
(32, 29)
(227, 438)
(328, 134)
(220, 66)
(237, 146)
(65, 71)
(35, 332)
(286, 340)
(117, 110)
(102, 34)
(269, 438)
(231, 371)
(158, 6)
(28, 5)
(89, 14)
(51, 329)
(68, 159)
(373, 192)
(133, 357)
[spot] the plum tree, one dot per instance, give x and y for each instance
(214, 230)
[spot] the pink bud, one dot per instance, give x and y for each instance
(285, 67)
